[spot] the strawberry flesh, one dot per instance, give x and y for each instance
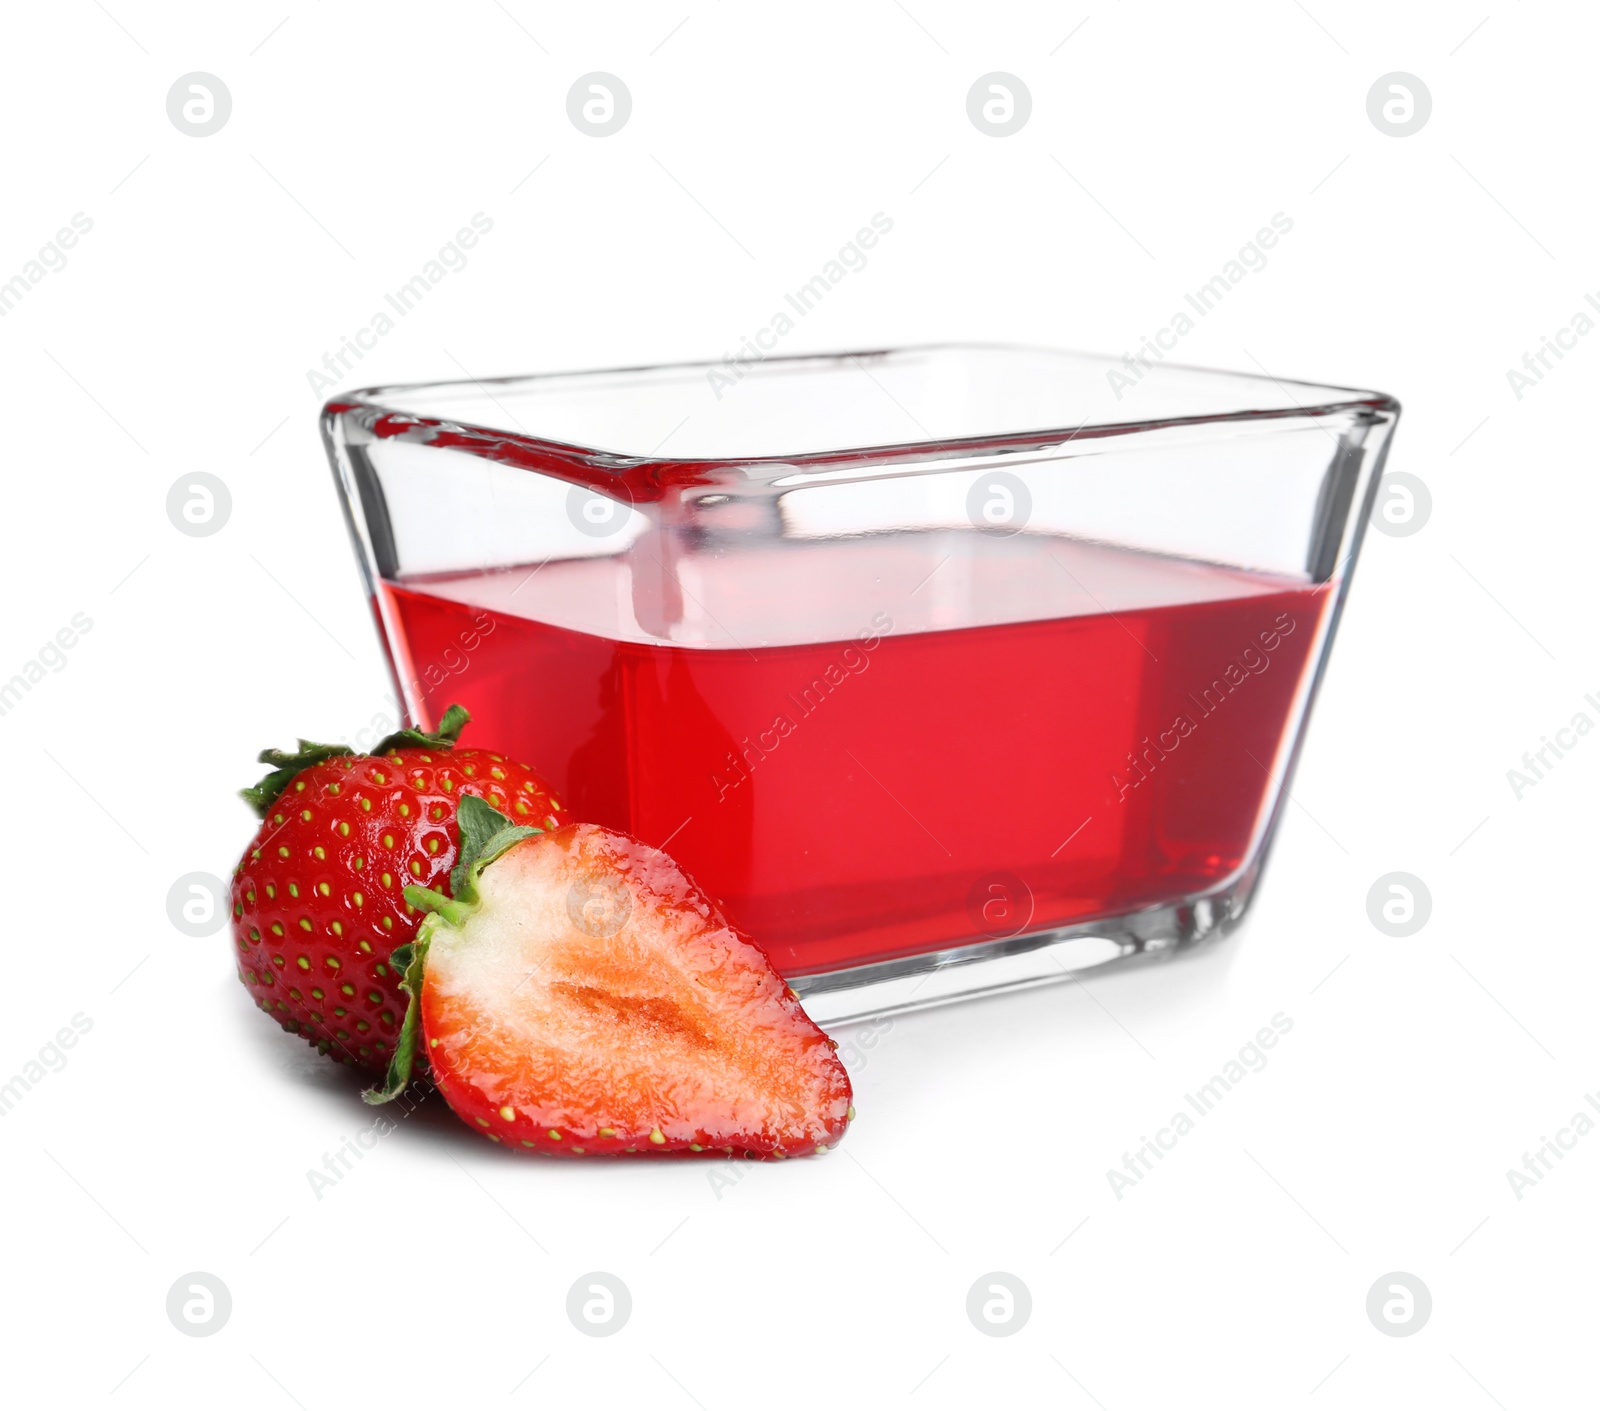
(593, 1000)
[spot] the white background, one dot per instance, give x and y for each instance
(178, 338)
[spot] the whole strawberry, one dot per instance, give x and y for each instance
(318, 904)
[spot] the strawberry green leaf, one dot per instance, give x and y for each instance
(288, 763)
(445, 737)
(408, 960)
(480, 822)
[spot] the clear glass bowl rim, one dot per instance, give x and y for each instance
(537, 452)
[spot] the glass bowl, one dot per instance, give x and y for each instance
(944, 669)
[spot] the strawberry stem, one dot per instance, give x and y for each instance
(426, 899)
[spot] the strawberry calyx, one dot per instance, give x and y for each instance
(486, 834)
(286, 764)
(446, 737)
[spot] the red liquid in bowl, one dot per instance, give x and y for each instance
(852, 801)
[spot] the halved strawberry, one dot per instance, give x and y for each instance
(581, 995)
(318, 898)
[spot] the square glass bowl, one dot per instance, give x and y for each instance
(945, 669)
